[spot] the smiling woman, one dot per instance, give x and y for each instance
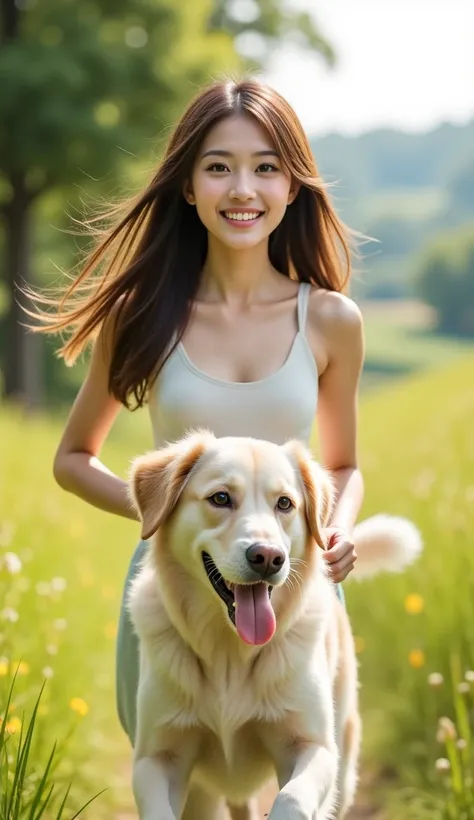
(216, 298)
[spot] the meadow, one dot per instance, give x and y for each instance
(62, 565)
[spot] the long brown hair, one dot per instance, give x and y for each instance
(146, 267)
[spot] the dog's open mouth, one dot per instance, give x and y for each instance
(248, 605)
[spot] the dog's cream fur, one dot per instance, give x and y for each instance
(218, 717)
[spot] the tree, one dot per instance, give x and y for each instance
(85, 84)
(445, 280)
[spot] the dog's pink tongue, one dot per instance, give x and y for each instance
(254, 616)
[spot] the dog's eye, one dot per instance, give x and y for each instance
(284, 503)
(220, 499)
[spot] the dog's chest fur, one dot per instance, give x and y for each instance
(236, 709)
(236, 699)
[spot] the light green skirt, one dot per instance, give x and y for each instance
(127, 659)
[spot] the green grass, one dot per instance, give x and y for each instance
(66, 634)
(417, 455)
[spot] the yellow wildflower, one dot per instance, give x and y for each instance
(13, 725)
(414, 604)
(416, 658)
(3, 667)
(79, 705)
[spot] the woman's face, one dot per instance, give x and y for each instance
(239, 185)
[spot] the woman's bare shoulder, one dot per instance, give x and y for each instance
(334, 327)
(334, 312)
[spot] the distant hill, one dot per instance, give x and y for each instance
(401, 189)
(386, 159)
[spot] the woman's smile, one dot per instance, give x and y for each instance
(242, 217)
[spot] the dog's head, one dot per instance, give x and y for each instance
(238, 514)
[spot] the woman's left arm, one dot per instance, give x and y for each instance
(341, 329)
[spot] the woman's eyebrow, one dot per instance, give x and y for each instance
(220, 153)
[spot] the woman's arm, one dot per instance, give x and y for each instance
(77, 467)
(340, 332)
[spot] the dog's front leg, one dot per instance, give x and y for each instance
(308, 783)
(160, 784)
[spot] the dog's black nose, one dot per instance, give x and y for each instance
(266, 559)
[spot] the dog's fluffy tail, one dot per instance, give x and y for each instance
(385, 543)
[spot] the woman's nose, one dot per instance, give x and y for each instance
(242, 188)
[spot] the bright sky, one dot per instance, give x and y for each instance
(407, 64)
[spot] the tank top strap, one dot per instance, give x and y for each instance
(303, 299)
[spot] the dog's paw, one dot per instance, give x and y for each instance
(287, 807)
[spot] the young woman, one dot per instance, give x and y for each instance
(216, 298)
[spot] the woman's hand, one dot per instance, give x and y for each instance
(341, 555)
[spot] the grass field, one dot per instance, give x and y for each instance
(417, 452)
(400, 342)
(58, 614)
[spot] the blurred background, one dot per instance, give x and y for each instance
(89, 90)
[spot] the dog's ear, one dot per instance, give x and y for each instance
(318, 490)
(158, 478)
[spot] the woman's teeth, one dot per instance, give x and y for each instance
(241, 217)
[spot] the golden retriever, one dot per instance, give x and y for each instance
(247, 662)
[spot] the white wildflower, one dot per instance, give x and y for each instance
(11, 563)
(58, 584)
(446, 730)
(9, 614)
(435, 679)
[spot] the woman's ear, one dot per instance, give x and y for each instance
(188, 193)
(294, 191)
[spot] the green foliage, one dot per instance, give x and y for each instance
(270, 21)
(27, 791)
(62, 565)
(84, 82)
(445, 280)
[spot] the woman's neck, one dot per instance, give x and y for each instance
(237, 276)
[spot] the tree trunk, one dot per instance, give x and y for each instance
(23, 371)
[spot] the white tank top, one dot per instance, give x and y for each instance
(277, 408)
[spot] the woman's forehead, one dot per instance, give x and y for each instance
(238, 133)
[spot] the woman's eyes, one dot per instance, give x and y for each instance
(267, 166)
(263, 168)
(217, 166)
